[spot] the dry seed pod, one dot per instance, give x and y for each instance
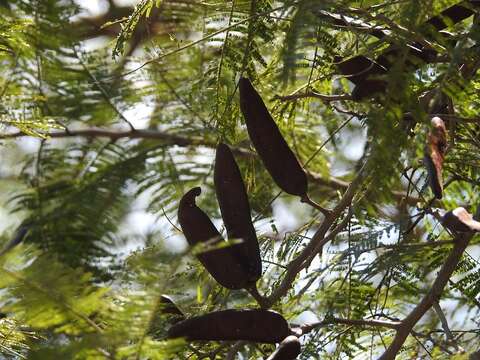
(235, 208)
(167, 306)
(165, 310)
(20, 235)
(453, 14)
(340, 20)
(198, 228)
(359, 68)
(276, 155)
(288, 349)
(435, 155)
(460, 220)
(368, 89)
(263, 326)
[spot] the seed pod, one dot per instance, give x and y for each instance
(340, 21)
(453, 14)
(20, 235)
(460, 220)
(359, 68)
(167, 306)
(288, 349)
(233, 200)
(198, 228)
(263, 326)
(165, 311)
(368, 89)
(417, 55)
(272, 148)
(435, 155)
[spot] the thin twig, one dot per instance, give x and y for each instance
(313, 94)
(179, 140)
(262, 301)
(205, 38)
(234, 349)
(353, 322)
(318, 239)
(104, 92)
(305, 199)
(461, 242)
(443, 320)
(50, 295)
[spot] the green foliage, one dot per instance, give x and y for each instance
(102, 137)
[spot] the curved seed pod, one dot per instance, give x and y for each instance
(288, 349)
(167, 306)
(263, 326)
(460, 220)
(368, 89)
(233, 200)
(359, 68)
(453, 14)
(165, 310)
(356, 24)
(276, 155)
(20, 235)
(435, 155)
(198, 228)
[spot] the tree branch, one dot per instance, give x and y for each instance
(179, 140)
(460, 244)
(312, 94)
(319, 239)
(353, 322)
(118, 134)
(443, 320)
(234, 349)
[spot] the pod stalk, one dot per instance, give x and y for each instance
(305, 199)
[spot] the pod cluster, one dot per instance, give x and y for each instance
(237, 264)
(218, 257)
(367, 74)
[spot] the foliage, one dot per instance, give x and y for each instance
(102, 137)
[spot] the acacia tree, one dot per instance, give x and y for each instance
(107, 116)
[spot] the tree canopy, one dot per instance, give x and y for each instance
(358, 177)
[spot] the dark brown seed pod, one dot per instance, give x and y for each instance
(263, 326)
(167, 306)
(198, 228)
(235, 208)
(417, 56)
(435, 155)
(453, 14)
(276, 155)
(165, 311)
(460, 220)
(339, 20)
(288, 349)
(368, 89)
(359, 68)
